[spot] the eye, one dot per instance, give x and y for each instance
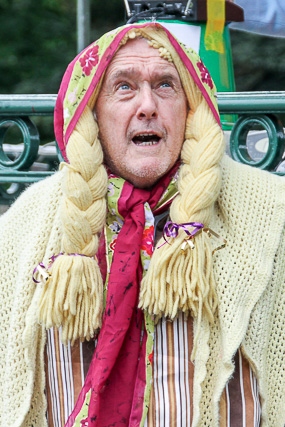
(123, 86)
(165, 84)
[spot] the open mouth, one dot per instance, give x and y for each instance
(146, 139)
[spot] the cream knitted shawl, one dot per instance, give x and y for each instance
(250, 214)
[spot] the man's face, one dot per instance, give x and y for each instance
(141, 112)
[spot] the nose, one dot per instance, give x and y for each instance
(147, 104)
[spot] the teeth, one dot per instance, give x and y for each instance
(147, 143)
(146, 139)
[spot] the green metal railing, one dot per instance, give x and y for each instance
(256, 137)
(17, 110)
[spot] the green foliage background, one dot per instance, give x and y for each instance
(38, 40)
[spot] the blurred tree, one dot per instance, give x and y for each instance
(38, 40)
(259, 61)
(106, 15)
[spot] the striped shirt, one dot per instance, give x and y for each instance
(173, 373)
(172, 388)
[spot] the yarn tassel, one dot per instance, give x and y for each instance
(180, 280)
(72, 302)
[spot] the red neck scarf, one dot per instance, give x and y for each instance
(116, 377)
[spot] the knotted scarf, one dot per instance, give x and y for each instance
(114, 389)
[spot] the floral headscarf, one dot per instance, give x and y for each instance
(85, 71)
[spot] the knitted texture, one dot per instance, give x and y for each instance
(25, 238)
(250, 280)
(250, 273)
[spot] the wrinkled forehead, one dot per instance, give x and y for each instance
(135, 51)
(136, 58)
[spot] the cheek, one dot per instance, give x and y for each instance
(109, 128)
(179, 124)
(183, 110)
(112, 143)
(178, 111)
(113, 125)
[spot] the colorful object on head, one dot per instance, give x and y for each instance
(85, 72)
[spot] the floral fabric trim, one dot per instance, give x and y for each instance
(81, 419)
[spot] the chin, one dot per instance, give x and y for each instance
(142, 174)
(146, 177)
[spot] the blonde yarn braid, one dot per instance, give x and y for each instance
(184, 280)
(73, 296)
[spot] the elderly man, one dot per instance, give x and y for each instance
(144, 285)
